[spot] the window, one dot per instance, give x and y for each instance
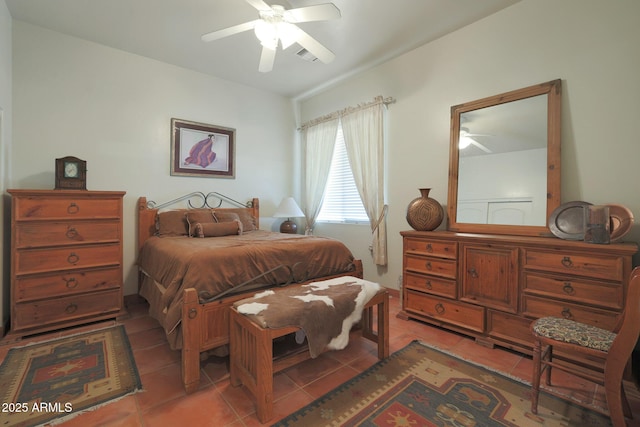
(341, 201)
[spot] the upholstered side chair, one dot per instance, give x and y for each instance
(614, 348)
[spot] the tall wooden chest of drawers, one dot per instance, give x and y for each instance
(66, 258)
(491, 287)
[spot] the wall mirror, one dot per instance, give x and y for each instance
(504, 166)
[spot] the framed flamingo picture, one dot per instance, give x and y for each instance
(199, 149)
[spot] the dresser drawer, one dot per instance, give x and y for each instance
(540, 307)
(601, 266)
(45, 260)
(67, 283)
(509, 327)
(431, 284)
(430, 247)
(466, 315)
(603, 294)
(39, 234)
(48, 207)
(36, 314)
(427, 265)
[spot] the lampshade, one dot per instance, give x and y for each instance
(288, 209)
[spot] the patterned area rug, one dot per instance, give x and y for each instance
(420, 386)
(53, 379)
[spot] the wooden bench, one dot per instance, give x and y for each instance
(251, 350)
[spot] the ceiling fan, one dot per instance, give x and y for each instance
(467, 139)
(277, 24)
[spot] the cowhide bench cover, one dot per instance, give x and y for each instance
(324, 310)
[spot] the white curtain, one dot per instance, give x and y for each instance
(319, 141)
(364, 141)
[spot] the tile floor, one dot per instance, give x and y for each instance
(164, 402)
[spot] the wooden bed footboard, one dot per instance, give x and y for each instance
(206, 326)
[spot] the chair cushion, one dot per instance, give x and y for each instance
(571, 332)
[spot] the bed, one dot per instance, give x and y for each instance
(200, 253)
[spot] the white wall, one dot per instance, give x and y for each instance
(113, 109)
(5, 152)
(591, 45)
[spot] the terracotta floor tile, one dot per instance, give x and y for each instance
(290, 403)
(216, 368)
(492, 358)
(312, 369)
(239, 398)
(523, 369)
(356, 348)
(330, 381)
(160, 386)
(153, 358)
(202, 408)
(137, 324)
(146, 338)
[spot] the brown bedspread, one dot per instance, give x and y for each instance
(216, 264)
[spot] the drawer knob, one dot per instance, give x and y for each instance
(71, 282)
(428, 284)
(71, 233)
(429, 248)
(428, 265)
(472, 272)
(73, 258)
(566, 261)
(439, 308)
(71, 308)
(566, 313)
(568, 289)
(73, 208)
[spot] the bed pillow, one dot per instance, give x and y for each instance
(229, 214)
(195, 216)
(218, 229)
(172, 223)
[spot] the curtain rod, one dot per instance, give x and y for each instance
(336, 114)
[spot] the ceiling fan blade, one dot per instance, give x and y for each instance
(480, 146)
(267, 59)
(313, 46)
(259, 4)
(215, 35)
(319, 12)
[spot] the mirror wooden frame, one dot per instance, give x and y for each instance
(553, 90)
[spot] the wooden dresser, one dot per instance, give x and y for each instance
(66, 258)
(492, 287)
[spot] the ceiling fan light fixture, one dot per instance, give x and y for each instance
(286, 33)
(464, 142)
(267, 33)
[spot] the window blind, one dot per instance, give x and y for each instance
(341, 202)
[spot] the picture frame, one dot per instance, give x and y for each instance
(200, 149)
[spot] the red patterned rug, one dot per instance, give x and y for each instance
(54, 379)
(419, 386)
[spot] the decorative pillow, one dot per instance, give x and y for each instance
(202, 216)
(218, 229)
(171, 223)
(225, 215)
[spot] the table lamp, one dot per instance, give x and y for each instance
(288, 208)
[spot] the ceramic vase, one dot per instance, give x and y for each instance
(424, 213)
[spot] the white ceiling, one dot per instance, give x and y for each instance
(368, 33)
